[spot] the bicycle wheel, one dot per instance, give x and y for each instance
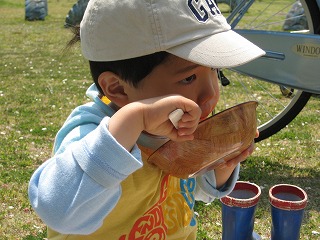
(275, 109)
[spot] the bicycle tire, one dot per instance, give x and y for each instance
(292, 103)
(285, 118)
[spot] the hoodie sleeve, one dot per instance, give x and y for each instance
(84, 174)
(206, 190)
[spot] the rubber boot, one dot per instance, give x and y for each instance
(238, 210)
(287, 207)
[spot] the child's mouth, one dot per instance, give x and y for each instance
(206, 114)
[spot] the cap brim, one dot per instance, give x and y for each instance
(221, 50)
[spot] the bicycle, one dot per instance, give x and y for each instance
(287, 76)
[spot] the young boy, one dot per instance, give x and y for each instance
(148, 58)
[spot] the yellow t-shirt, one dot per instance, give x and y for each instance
(153, 205)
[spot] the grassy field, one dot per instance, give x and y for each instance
(40, 84)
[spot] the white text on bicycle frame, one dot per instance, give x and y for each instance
(203, 8)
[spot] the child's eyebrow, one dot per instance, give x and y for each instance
(187, 68)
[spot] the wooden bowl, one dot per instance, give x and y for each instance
(218, 138)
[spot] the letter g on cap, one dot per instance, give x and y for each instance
(202, 8)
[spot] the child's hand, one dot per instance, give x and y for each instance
(237, 159)
(224, 170)
(152, 115)
(156, 113)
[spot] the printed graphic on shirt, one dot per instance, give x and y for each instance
(173, 211)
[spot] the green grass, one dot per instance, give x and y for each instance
(40, 84)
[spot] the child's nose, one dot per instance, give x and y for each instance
(208, 92)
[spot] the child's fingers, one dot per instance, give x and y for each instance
(186, 131)
(184, 122)
(257, 134)
(188, 124)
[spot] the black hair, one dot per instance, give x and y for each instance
(131, 70)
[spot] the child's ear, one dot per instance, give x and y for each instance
(112, 87)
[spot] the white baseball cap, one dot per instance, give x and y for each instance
(194, 30)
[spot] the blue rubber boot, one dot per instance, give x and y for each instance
(287, 208)
(238, 210)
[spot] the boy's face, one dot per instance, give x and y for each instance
(179, 76)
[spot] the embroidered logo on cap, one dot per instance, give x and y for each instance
(203, 9)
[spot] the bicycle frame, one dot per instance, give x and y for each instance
(291, 60)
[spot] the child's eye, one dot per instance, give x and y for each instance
(189, 80)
